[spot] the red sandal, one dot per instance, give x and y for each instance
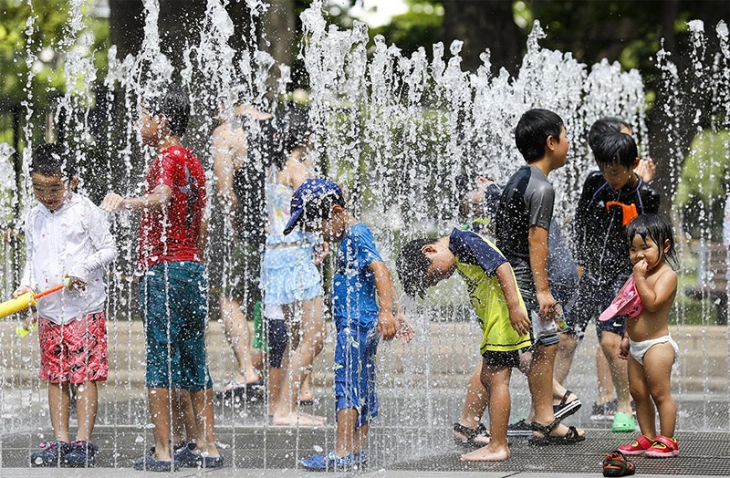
(638, 448)
(615, 464)
(663, 447)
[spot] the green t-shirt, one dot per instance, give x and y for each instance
(477, 260)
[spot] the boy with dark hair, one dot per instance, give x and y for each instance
(422, 263)
(360, 275)
(173, 288)
(67, 241)
(522, 224)
(612, 197)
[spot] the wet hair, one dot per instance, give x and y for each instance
(53, 160)
(604, 126)
(412, 266)
(174, 105)
(294, 129)
(320, 208)
(659, 229)
(616, 148)
(533, 130)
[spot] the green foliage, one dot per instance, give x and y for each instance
(703, 185)
(420, 26)
(47, 21)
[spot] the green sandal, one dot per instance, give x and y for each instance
(624, 423)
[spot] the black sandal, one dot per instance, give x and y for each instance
(616, 464)
(565, 408)
(569, 438)
(470, 434)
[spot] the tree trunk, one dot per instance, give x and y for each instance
(481, 25)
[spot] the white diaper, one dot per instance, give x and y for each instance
(639, 349)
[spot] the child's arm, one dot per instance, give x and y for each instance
(384, 285)
(664, 288)
(159, 198)
(517, 314)
(538, 241)
(97, 229)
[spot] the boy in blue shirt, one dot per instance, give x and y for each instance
(492, 287)
(319, 207)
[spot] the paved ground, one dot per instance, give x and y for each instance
(421, 390)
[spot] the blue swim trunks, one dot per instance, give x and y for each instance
(174, 300)
(355, 372)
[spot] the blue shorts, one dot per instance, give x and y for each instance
(355, 372)
(588, 301)
(288, 275)
(174, 300)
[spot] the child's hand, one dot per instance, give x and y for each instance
(320, 252)
(623, 350)
(404, 330)
(74, 283)
(640, 268)
(112, 202)
(646, 170)
(520, 321)
(21, 290)
(547, 306)
(386, 324)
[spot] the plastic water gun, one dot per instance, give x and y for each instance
(628, 211)
(25, 301)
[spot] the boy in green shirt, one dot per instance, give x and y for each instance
(422, 263)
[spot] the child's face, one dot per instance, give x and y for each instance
(560, 151)
(617, 175)
(149, 127)
(442, 264)
(332, 229)
(647, 251)
(52, 191)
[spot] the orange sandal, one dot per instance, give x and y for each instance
(615, 464)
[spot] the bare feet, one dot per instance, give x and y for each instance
(300, 419)
(490, 452)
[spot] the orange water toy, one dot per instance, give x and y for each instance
(628, 210)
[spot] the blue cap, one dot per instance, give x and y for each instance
(313, 195)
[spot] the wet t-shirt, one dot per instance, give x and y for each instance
(527, 201)
(353, 285)
(171, 234)
(477, 261)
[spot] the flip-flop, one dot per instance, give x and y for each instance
(238, 389)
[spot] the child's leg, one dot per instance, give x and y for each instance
(361, 435)
(658, 363)
(476, 400)
(606, 391)
(347, 432)
(238, 335)
(495, 380)
(202, 401)
(645, 413)
(610, 343)
(59, 403)
(310, 343)
(184, 426)
(87, 405)
(540, 382)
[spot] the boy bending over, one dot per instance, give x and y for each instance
(497, 302)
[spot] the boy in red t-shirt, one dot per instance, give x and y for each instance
(173, 288)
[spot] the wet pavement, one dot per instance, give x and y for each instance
(420, 400)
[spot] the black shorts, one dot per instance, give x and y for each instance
(509, 359)
(588, 302)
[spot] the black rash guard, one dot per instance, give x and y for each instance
(599, 234)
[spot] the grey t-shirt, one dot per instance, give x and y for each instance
(527, 200)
